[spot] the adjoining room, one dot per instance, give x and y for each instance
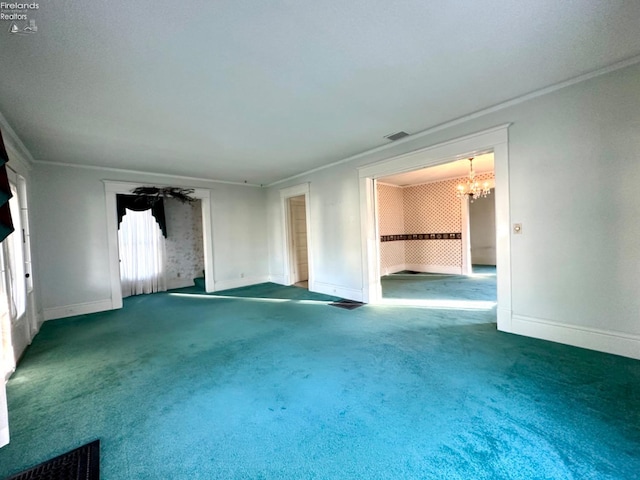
(437, 232)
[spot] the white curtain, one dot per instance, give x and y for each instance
(14, 252)
(142, 254)
(7, 357)
(13, 289)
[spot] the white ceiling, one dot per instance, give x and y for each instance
(459, 168)
(252, 90)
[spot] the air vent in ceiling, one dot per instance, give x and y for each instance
(396, 136)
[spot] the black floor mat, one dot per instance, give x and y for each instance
(80, 464)
(347, 304)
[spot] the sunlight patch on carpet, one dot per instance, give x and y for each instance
(439, 304)
(251, 299)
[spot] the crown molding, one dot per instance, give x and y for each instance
(472, 116)
(140, 172)
(13, 142)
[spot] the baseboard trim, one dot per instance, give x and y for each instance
(279, 279)
(617, 343)
(393, 269)
(446, 269)
(179, 283)
(338, 291)
(240, 282)
(77, 309)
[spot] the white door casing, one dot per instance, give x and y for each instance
(288, 260)
(494, 139)
(114, 188)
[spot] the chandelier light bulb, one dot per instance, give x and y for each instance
(471, 188)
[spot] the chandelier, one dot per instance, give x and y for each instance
(471, 187)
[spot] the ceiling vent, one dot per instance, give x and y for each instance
(396, 136)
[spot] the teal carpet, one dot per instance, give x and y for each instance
(234, 386)
(432, 286)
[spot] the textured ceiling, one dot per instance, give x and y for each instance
(259, 91)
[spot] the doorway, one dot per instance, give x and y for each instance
(298, 242)
(426, 230)
(114, 188)
(296, 232)
(482, 232)
(495, 140)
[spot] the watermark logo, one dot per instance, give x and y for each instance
(19, 16)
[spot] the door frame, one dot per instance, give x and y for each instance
(111, 189)
(495, 139)
(288, 265)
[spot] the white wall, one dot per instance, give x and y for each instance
(574, 168)
(334, 231)
(70, 213)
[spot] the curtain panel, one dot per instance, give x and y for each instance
(6, 225)
(140, 203)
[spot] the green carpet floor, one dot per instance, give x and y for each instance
(182, 385)
(430, 286)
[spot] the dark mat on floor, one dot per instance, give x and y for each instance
(347, 304)
(80, 464)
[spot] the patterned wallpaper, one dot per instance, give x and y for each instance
(391, 222)
(390, 210)
(184, 243)
(433, 207)
(430, 208)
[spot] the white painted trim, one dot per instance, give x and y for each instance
(13, 142)
(113, 188)
(444, 269)
(393, 269)
(495, 139)
(480, 113)
(370, 241)
(466, 236)
(140, 172)
(17, 161)
(279, 279)
(339, 291)
(392, 185)
(491, 182)
(4, 432)
(285, 195)
(4, 415)
(240, 282)
(207, 237)
(503, 234)
(174, 283)
(77, 309)
(608, 341)
(439, 153)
